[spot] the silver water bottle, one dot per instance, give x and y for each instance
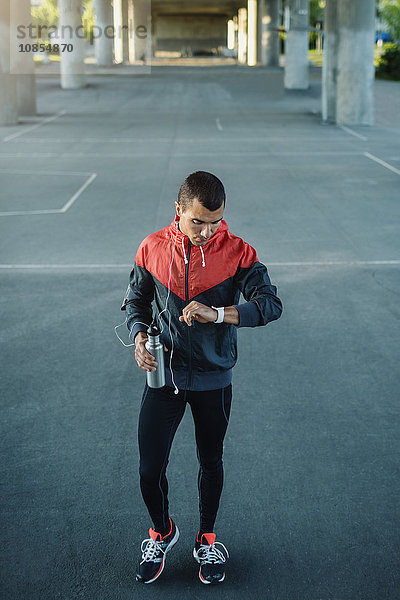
(155, 379)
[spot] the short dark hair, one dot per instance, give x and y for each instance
(204, 186)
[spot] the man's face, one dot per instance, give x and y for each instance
(199, 223)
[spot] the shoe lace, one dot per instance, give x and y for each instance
(150, 550)
(211, 554)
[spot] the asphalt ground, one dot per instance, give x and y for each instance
(310, 508)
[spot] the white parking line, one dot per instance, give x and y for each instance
(45, 211)
(28, 154)
(196, 140)
(354, 133)
(98, 140)
(218, 122)
(95, 266)
(382, 162)
(30, 172)
(175, 154)
(50, 211)
(78, 193)
(334, 263)
(32, 127)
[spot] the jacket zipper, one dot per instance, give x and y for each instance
(187, 271)
(189, 380)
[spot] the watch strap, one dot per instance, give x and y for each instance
(220, 310)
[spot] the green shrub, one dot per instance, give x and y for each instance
(388, 64)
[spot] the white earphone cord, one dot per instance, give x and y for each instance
(165, 309)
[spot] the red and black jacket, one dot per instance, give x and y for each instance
(169, 272)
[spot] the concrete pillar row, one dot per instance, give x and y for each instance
(103, 43)
(355, 62)
(131, 33)
(235, 34)
(72, 63)
(329, 64)
(8, 86)
(252, 22)
(126, 32)
(22, 64)
(268, 34)
(242, 36)
(118, 38)
(296, 47)
(142, 29)
(230, 35)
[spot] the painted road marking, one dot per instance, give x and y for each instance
(50, 211)
(351, 132)
(32, 127)
(382, 162)
(95, 266)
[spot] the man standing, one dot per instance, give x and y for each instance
(189, 277)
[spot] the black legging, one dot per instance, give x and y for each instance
(160, 414)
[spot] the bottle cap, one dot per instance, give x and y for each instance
(153, 330)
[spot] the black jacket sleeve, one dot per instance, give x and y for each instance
(138, 300)
(262, 304)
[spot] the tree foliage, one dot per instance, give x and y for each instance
(316, 12)
(46, 16)
(389, 10)
(388, 66)
(88, 18)
(316, 18)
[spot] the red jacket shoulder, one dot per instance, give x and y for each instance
(246, 254)
(153, 243)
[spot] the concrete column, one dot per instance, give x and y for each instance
(21, 63)
(296, 47)
(230, 35)
(153, 37)
(131, 36)
(8, 97)
(118, 43)
(329, 65)
(8, 87)
(71, 32)
(252, 33)
(142, 29)
(125, 31)
(356, 29)
(103, 38)
(235, 33)
(269, 41)
(242, 36)
(26, 94)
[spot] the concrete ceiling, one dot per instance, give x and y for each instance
(181, 7)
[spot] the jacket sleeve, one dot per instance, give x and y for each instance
(262, 304)
(138, 300)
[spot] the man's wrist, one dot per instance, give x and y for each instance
(231, 315)
(143, 337)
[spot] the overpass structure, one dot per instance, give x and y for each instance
(135, 31)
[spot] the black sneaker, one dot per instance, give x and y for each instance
(211, 558)
(154, 550)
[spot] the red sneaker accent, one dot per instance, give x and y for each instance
(170, 529)
(154, 535)
(157, 536)
(209, 537)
